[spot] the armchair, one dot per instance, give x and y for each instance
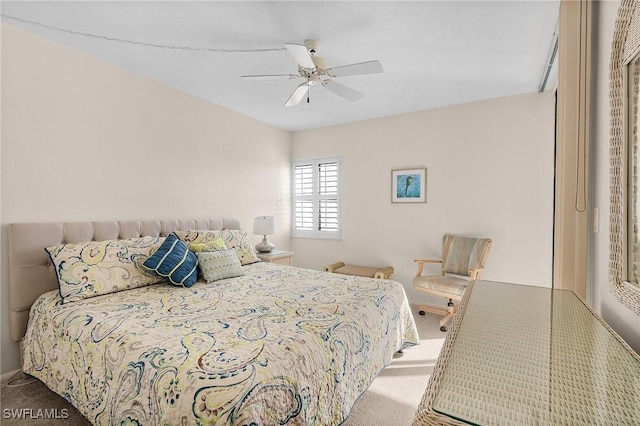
(463, 260)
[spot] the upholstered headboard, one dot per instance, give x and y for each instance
(31, 273)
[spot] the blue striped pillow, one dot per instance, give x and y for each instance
(175, 261)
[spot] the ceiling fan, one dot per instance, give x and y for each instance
(314, 70)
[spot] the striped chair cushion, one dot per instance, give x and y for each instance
(446, 284)
(461, 253)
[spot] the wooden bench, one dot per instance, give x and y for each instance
(361, 271)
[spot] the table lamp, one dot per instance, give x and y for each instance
(264, 225)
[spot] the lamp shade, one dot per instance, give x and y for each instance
(264, 225)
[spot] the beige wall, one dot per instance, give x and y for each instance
(489, 173)
(85, 140)
(620, 318)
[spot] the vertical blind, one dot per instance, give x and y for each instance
(316, 201)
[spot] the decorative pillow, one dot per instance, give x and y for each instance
(219, 264)
(175, 261)
(100, 267)
(213, 245)
(236, 239)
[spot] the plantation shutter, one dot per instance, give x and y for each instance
(316, 198)
(303, 196)
(328, 196)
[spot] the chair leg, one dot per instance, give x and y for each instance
(451, 311)
(447, 313)
(432, 309)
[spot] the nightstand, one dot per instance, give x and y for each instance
(281, 257)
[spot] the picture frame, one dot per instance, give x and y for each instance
(409, 185)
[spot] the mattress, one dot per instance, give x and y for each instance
(279, 345)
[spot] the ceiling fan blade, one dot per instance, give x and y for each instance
(298, 94)
(269, 76)
(300, 54)
(342, 90)
(369, 67)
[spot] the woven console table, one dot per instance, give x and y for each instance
(362, 271)
(521, 355)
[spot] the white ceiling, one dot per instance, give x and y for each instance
(434, 53)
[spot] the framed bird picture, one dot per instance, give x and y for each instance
(409, 186)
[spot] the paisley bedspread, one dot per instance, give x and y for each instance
(279, 345)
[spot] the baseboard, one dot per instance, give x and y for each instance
(5, 377)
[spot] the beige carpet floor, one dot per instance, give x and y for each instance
(391, 400)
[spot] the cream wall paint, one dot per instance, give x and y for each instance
(620, 318)
(83, 139)
(489, 173)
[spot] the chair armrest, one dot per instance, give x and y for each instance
(384, 273)
(333, 266)
(421, 263)
(474, 273)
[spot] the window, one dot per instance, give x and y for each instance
(316, 198)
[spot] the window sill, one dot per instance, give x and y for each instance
(317, 237)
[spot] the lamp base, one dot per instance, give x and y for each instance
(265, 246)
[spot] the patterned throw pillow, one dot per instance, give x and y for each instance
(100, 267)
(219, 264)
(175, 261)
(213, 245)
(236, 239)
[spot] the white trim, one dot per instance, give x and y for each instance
(551, 59)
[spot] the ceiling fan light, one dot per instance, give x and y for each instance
(319, 62)
(312, 44)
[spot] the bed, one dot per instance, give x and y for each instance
(275, 345)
